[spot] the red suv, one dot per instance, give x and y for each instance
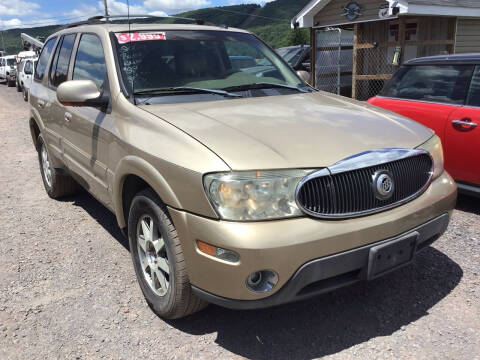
(443, 93)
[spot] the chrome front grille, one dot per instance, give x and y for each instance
(347, 189)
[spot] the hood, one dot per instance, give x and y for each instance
(292, 131)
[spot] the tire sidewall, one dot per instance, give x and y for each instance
(144, 205)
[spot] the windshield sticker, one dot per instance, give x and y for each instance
(124, 38)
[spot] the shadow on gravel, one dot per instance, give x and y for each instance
(100, 213)
(332, 322)
(326, 324)
(469, 204)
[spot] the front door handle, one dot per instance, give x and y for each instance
(68, 117)
(41, 103)
(464, 124)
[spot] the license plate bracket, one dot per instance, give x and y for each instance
(390, 256)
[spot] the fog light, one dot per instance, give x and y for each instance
(262, 281)
(220, 253)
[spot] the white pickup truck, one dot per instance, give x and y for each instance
(8, 69)
(25, 76)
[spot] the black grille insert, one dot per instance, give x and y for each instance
(351, 193)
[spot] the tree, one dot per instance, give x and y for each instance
(298, 37)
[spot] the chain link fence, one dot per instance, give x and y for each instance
(375, 57)
(378, 53)
(333, 61)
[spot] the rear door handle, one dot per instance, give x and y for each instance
(68, 117)
(41, 103)
(464, 124)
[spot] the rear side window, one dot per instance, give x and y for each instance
(59, 71)
(90, 60)
(473, 98)
(436, 83)
(44, 57)
(28, 67)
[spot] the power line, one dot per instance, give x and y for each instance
(245, 14)
(49, 22)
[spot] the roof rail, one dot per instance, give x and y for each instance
(98, 19)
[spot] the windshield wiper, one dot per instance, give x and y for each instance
(159, 91)
(264, 85)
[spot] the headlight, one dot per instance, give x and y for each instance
(434, 147)
(254, 195)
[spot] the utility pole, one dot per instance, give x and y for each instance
(3, 42)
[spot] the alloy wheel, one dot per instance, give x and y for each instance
(153, 255)
(47, 170)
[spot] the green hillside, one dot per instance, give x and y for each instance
(13, 43)
(270, 22)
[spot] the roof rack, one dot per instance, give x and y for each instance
(98, 19)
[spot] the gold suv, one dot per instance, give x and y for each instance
(236, 182)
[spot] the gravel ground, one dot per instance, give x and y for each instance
(68, 289)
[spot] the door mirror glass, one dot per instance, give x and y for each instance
(80, 93)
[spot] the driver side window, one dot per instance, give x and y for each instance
(90, 61)
(473, 98)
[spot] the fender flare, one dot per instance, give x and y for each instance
(35, 120)
(134, 165)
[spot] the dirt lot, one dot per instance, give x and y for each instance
(68, 289)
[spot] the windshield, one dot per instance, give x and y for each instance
(186, 61)
(11, 62)
(290, 55)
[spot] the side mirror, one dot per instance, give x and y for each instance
(80, 93)
(305, 76)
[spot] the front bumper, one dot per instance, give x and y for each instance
(332, 272)
(287, 246)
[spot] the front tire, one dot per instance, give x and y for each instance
(158, 259)
(25, 94)
(56, 185)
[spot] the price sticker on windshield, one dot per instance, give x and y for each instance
(124, 38)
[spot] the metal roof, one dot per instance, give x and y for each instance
(460, 8)
(456, 3)
(458, 59)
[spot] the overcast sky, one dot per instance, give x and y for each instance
(30, 13)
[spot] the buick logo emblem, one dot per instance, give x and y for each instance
(383, 185)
